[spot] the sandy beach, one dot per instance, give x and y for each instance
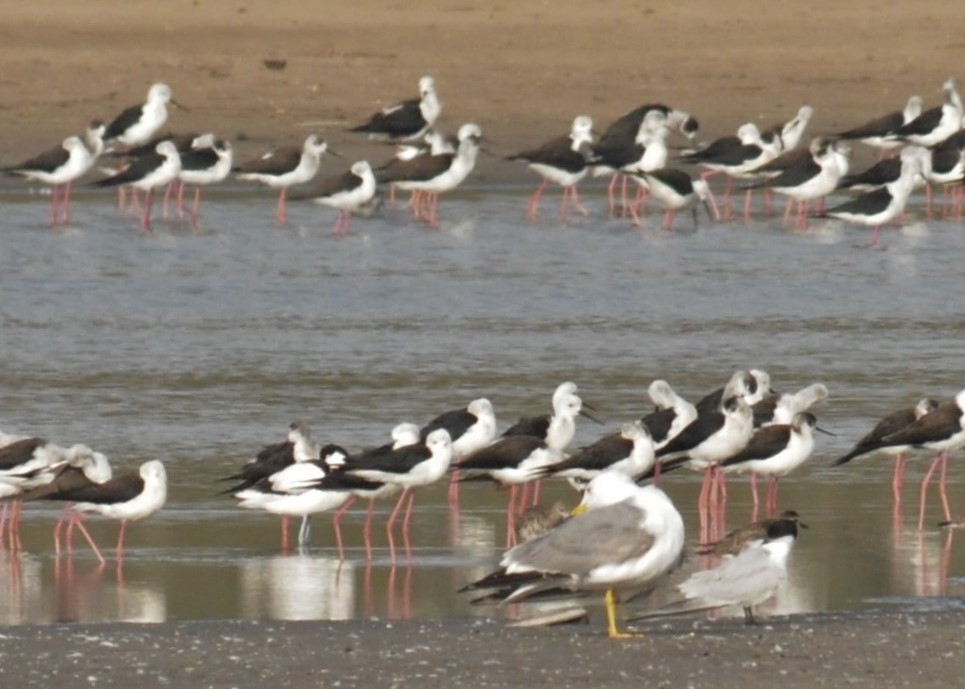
(521, 70)
(869, 650)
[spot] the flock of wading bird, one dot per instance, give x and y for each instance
(626, 532)
(930, 145)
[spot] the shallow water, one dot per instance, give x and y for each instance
(199, 348)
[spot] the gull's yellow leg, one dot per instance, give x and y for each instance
(610, 601)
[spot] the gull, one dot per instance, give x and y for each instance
(622, 536)
(747, 579)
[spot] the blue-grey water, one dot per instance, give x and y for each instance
(199, 348)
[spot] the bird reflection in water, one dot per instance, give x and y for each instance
(298, 587)
(92, 596)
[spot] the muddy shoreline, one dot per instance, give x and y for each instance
(869, 649)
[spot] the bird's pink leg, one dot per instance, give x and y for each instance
(196, 207)
(768, 202)
(875, 236)
(180, 202)
(787, 209)
(414, 203)
(135, 202)
(281, 213)
(337, 525)
(536, 490)
(93, 546)
(668, 219)
(168, 192)
(522, 498)
(721, 484)
(624, 197)
(15, 516)
(924, 489)
(755, 501)
(575, 198)
(611, 193)
(67, 198)
(703, 493)
(367, 530)
(802, 215)
(405, 526)
(941, 486)
(728, 190)
(640, 203)
(564, 212)
(635, 218)
(120, 539)
(533, 209)
(928, 200)
(65, 514)
(390, 524)
(285, 543)
(511, 517)
(747, 205)
(898, 479)
(721, 517)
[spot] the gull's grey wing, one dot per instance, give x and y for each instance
(604, 536)
(746, 579)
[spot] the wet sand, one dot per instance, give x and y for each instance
(522, 70)
(866, 650)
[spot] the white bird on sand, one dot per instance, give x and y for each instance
(747, 579)
(622, 536)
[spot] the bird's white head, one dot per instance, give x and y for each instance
(427, 85)
(748, 133)
(608, 488)
(168, 149)
(582, 128)
(159, 92)
(153, 472)
(361, 168)
(439, 441)
(314, 145)
(203, 141)
(298, 430)
(469, 132)
(634, 431)
(405, 434)
(481, 408)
